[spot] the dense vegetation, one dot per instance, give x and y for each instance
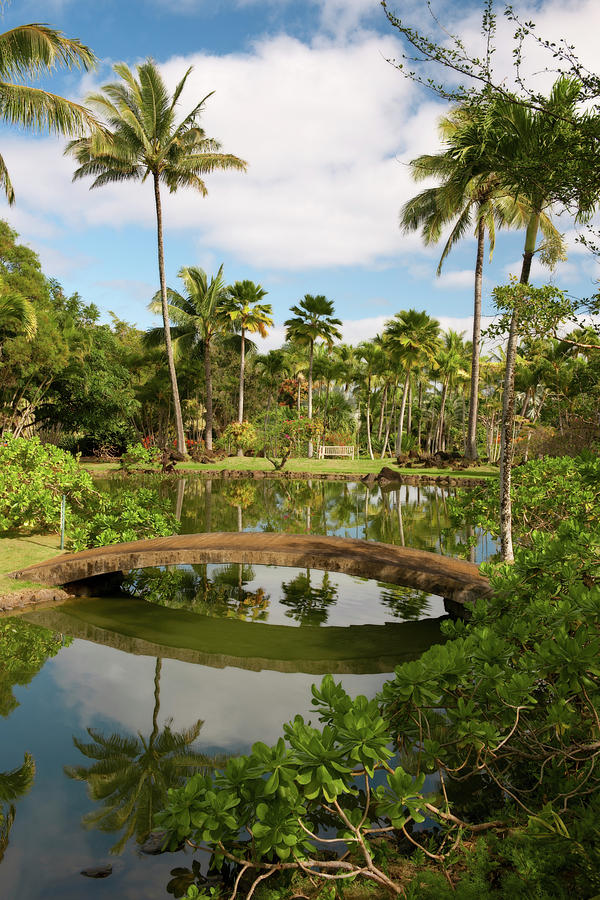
(503, 719)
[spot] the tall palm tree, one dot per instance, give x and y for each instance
(247, 313)
(28, 51)
(525, 148)
(414, 340)
(468, 194)
(199, 317)
(313, 319)
(145, 141)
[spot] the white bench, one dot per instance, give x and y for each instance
(325, 450)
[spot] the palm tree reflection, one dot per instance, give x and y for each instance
(132, 774)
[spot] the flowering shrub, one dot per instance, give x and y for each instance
(242, 435)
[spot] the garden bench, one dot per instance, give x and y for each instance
(332, 450)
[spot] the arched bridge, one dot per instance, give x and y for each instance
(452, 579)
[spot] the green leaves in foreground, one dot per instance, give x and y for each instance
(265, 810)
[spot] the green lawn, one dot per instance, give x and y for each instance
(18, 552)
(312, 466)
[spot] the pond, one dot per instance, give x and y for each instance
(205, 658)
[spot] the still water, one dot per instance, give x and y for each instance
(217, 655)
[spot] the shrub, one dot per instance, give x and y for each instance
(33, 479)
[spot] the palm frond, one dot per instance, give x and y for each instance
(30, 49)
(40, 110)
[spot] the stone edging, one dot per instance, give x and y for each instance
(370, 478)
(19, 601)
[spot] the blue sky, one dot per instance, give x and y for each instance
(304, 93)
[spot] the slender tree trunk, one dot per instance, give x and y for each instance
(508, 402)
(471, 451)
(420, 414)
(440, 426)
(382, 411)
(409, 414)
(401, 416)
(167, 329)
(241, 397)
(310, 406)
(242, 367)
(389, 421)
(208, 432)
(369, 445)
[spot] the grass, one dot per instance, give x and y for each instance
(21, 551)
(357, 467)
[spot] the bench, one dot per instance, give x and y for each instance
(325, 450)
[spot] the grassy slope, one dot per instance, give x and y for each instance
(313, 466)
(20, 551)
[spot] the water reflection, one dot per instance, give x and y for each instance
(306, 603)
(407, 515)
(24, 649)
(224, 594)
(131, 774)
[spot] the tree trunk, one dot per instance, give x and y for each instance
(440, 426)
(382, 411)
(310, 408)
(508, 402)
(401, 416)
(369, 445)
(167, 329)
(471, 450)
(389, 421)
(208, 428)
(241, 398)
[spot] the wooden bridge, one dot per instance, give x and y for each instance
(453, 579)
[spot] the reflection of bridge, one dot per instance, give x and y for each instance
(452, 579)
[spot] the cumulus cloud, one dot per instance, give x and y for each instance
(324, 128)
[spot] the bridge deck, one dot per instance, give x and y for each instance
(450, 578)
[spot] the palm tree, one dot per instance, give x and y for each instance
(17, 315)
(521, 146)
(414, 339)
(313, 319)
(273, 367)
(29, 51)
(466, 196)
(145, 141)
(199, 317)
(247, 313)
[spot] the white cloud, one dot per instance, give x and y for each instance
(458, 279)
(323, 127)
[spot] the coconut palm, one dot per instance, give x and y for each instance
(199, 317)
(29, 51)
(522, 146)
(247, 313)
(313, 320)
(413, 338)
(145, 141)
(468, 195)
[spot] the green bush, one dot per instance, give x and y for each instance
(33, 479)
(128, 516)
